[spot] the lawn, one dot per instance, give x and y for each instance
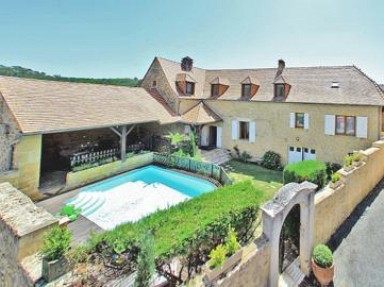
(265, 179)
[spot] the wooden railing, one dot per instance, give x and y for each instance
(204, 168)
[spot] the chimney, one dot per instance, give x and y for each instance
(186, 64)
(280, 67)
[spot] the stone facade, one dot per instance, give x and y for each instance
(22, 226)
(273, 130)
(9, 136)
(156, 79)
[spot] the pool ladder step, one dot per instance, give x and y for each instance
(99, 203)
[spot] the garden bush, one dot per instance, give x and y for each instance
(271, 160)
(322, 255)
(145, 261)
(56, 242)
(335, 177)
(307, 170)
(332, 168)
(193, 228)
(217, 256)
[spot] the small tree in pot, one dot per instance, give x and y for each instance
(322, 264)
(56, 244)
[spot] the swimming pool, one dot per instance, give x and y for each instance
(135, 194)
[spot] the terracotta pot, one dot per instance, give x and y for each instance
(323, 275)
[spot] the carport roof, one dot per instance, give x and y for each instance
(41, 106)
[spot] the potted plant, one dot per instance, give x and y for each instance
(322, 264)
(335, 181)
(56, 244)
(357, 159)
(348, 160)
(69, 211)
(224, 257)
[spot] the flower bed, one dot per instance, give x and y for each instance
(190, 230)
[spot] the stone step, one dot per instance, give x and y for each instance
(292, 275)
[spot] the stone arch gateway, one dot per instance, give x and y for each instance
(275, 212)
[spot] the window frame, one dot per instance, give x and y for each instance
(296, 121)
(241, 133)
(345, 120)
(276, 90)
(213, 86)
(192, 84)
(243, 92)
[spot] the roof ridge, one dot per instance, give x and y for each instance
(64, 82)
(289, 68)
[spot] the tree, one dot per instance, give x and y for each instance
(145, 261)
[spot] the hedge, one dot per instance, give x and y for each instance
(192, 228)
(307, 170)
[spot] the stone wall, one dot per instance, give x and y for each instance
(273, 132)
(332, 207)
(83, 177)
(9, 135)
(156, 74)
(27, 161)
(254, 267)
(22, 226)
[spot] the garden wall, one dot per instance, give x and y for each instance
(22, 226)
(332, 207)
(254, 266)
(83, 177)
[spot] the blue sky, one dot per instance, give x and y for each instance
(112, 38)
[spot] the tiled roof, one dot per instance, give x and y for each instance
(47, 106)
(382, 87)
(308, 84)
(200, 114)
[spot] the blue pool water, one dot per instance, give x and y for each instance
(135, 194)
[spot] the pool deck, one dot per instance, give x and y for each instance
(82, 227)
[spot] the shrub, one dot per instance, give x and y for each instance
(217, 256)
(231, 243)
(356, 156)
(332, 168)
(245, 156)
(271, 160)
(145, 261)
(322, 256)
(307, 170)
(56, 242)
(348, 160)
(79, 254)
(192, 228)
(335, 177)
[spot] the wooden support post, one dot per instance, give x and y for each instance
(123, 141)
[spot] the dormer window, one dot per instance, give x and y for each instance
(215, 90)
(280, 91)
(219, 86)
(246, 91)
(189, 88)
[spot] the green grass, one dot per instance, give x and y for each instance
(173, 227)
(264, 179)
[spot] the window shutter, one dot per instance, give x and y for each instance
(252, 132)
(235, 130)
(329, 125)
(292, 118)
(218, 137)
(306, 121)
(362, 127)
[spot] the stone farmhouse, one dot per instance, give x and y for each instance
(319, 113)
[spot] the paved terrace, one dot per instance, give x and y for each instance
(81, 227)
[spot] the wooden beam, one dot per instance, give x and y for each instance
(123, 141)
(131, 129)
(115, 131)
